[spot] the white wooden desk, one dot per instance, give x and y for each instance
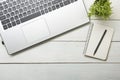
(62, 58)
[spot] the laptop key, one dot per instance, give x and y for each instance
(45, 1)
(9, 25)
(8, 15)
(53, 7)
(33, 5)
(18, 1)
(10, 4)
(18, 21)
(72, 1)
(13, 23)
(29, 7)
(24, 14)
(57, 6)
(5, 21)
(1, 8)
(38, 4)
(33, 10)
(41, 7)
(20, 15)
(46, 11)
(16, 17)
(9, 10)
(16, 12)
(37, 9)
(31, 1)
(2, 17)
(12, 19)
(26, 3)
(21, 10)
(5, 11)
(42, 12)
(12, 13)
(14, 3)
(11, 0)
(49, 4)
(49, 9)
(5, 27)
(7, 1)
(23, 0)
(61, 4)
(18, 6)
(22, 5)
(5, 6)
(14, 8)
(1, 13)
(41, 2)
(25, 9)
(56, 1)
(45, 5)
(4, 2)
(30, 17)
(66, 2)
(28, 12)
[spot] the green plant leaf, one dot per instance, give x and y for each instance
(101, 8)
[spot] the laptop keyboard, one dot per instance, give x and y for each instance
(15, 12)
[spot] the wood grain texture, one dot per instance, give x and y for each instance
(60, 72)
(65, 48)
(62, 58)
(58, 52)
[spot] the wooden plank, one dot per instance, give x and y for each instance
(47, 52)
(65, 48)
(57, 52)
(114, 53)
(115, 7)
(60, 71)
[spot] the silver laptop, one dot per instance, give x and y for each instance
(24, 23)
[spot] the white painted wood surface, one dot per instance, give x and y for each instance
(60, 72)
(62, 58)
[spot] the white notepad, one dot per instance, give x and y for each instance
(99, 41)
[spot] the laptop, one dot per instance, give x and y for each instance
(24, 23)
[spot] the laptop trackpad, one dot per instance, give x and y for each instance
(36, 30)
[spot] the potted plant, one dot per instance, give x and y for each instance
(101, 8)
